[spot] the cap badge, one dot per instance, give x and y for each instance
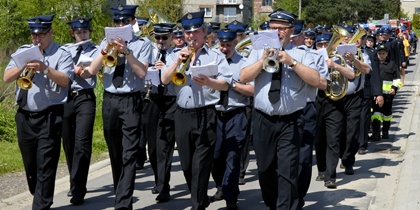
(81, 21)
(189, 16)
(120, 7)
(235, 22)
(37, 21)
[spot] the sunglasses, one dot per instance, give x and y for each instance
(164, 38)
(125, 21)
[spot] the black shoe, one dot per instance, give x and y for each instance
(231, 205)
(362, 151)
(320, 177)
(75, 200)
(342, 166)
(241, 181)
(349, 170)
(374, 137)
(69, 194)
(217, 196)
(330, 184)
(385, 135)
(155, 190)
(163, 197)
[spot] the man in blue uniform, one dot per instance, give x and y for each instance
(122, 104)
(231, 125)
(40, 114)
(79, 111)
(279, 99)
(195, 116)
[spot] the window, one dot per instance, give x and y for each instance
(232, 1)
(207, 12)
(230, 14)
(267, 3)
(417, 10)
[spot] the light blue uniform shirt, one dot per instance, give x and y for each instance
(293, 88)
(44, 92)
(141, 50)
(321, 67)
(236, 99)
(353, 84)
(170, 89)
(90, 50)
(190, 95)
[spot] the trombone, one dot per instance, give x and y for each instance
(178, 77)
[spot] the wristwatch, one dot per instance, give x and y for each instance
(46, 68)
(127, 52)
(293, 63)
(233, 84)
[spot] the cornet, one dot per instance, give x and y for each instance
(271, 64)
(25, 82)
(110, 59)
(178, 77)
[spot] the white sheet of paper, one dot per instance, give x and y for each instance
(208, 70)
(84, 60)
(323, 52)
(268, 38)
(125, 33)
(152, 76)
(342, 49)
(23, 57)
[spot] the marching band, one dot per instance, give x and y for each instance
(286, 102)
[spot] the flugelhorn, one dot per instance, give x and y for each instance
(25, 81)
(359, 34)
(178, 77)
(271, 64)
(336, 78)
(110, 59)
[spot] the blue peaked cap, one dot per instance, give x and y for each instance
(192, 21)
(124, 11)
(226, 35)
(80, 23)
(40, 23)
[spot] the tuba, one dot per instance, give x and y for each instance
(178, 77)
(240, 47)
(271, 64)
(25, 81)
(154, 18)
(336, 78)
(110, 59)
(359, 33)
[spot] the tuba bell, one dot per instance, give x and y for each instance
(178, 77)
(336, 78)
(359, 34)
(240, 47)
(154, 18)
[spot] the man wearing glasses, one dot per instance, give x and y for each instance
(40, 113)
(79, 111)
(279, 99)
(122, 104)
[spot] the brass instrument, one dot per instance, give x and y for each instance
(25, 81)
(154, 18)
(271, 64)
(101, 74)
(110, 59)
(359, 33)
(240, 47)
(178, 77)
(149, 90)
(336, 78)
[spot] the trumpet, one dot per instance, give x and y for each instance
(271, 64)
(110, 59)
(336, 77)
(178, 77)
(359, 33)
(25, 81)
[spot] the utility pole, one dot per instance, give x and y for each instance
(300, 8)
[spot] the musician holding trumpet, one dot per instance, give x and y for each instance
(279, 99)
(40, 113)
(195, 116)
(79, 111)
(122, 103)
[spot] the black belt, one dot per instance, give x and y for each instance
(74, 93)
(40, 113)
(231, 113)
(137, 93)
(197, 109)
(293, 115)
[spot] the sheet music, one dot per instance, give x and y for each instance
(208, 70)
(125, 33)
(21, 58)
(152, 76)
(269, 38)
(84, 60)
(323, 52)
(343, 48)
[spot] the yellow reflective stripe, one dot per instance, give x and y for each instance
(397, 83)
(376, 116)
(387, 118)
(387, 85)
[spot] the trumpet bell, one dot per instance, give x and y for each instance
(271, 65)
(179, 78)
(109, 60)
(24, 83)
